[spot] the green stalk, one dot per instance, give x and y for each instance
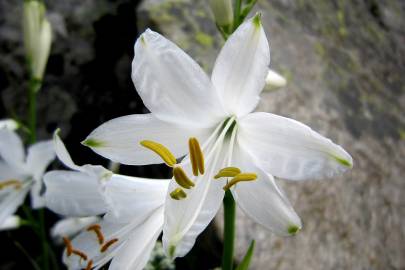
(33, 88)
(229, 231)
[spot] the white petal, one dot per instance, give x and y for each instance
(136, 252)
(9, 172)
(262, 200)
(62, 153)
(119, 139)
(71, 226)
(39, 156)
(10, 201)
(185, 219)
(172, 85)
(74, 193)
(11, 148)
(289, 149)
(12, 222)
(133, 197)
(9, 124)
(240, 70)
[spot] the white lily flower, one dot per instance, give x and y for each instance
(20, 174)
(9, 124)
(132, 209)
(37, 36)
(11, 222)
(184, 102)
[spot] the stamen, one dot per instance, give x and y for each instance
(161, 150)
(80, 254)
(228, 172)
(108, 244)
(196, 156)
(69, 247)
(11, 182)
(239, 178)
(181, 178)
(178, 194)
(97, 230)
(89, 265)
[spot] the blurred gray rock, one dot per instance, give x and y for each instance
(345, 63)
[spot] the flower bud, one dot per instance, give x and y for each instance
(37, 37)
(11, 222)
(223, 12)
(274, 80)
(9, 124)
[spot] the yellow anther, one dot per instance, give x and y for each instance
(178, 194)
(181, 178)
(228, 172)
(196, 156)
(240, 178)
(161, 150)
(11, 182)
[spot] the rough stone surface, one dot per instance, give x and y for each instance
(344, 61)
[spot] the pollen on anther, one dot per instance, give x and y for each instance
(104, 247)
(178, 194)
(196, 156)
(160, 150)
(96, 228)
(69, 247)
(89, 265)
(181, 178)
(242, 177)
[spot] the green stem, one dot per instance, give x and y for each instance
(229, 231)
(236, 15)
(33, 88)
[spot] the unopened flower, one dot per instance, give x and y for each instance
(242, 149)
(132, 210)
(274, 80)
(9, 124)
(11, 222)
(37, 37)
(223, 12)
(21, 173)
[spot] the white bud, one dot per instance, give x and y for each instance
(274, 80)
(12, 222)
(37, 37)
(223, 12)
(9, 124)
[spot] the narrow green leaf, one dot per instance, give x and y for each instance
(244, 265)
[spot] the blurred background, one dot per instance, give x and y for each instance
(345, 66)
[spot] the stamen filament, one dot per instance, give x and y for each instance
(108, 244)
(89, 265)
(11, 182)
(97, 230)
(80, 254)
(196, 156)
(228, 172)
(242, 177)
(69, 247)
(181, 178)
(178, 194)
(161, 150)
